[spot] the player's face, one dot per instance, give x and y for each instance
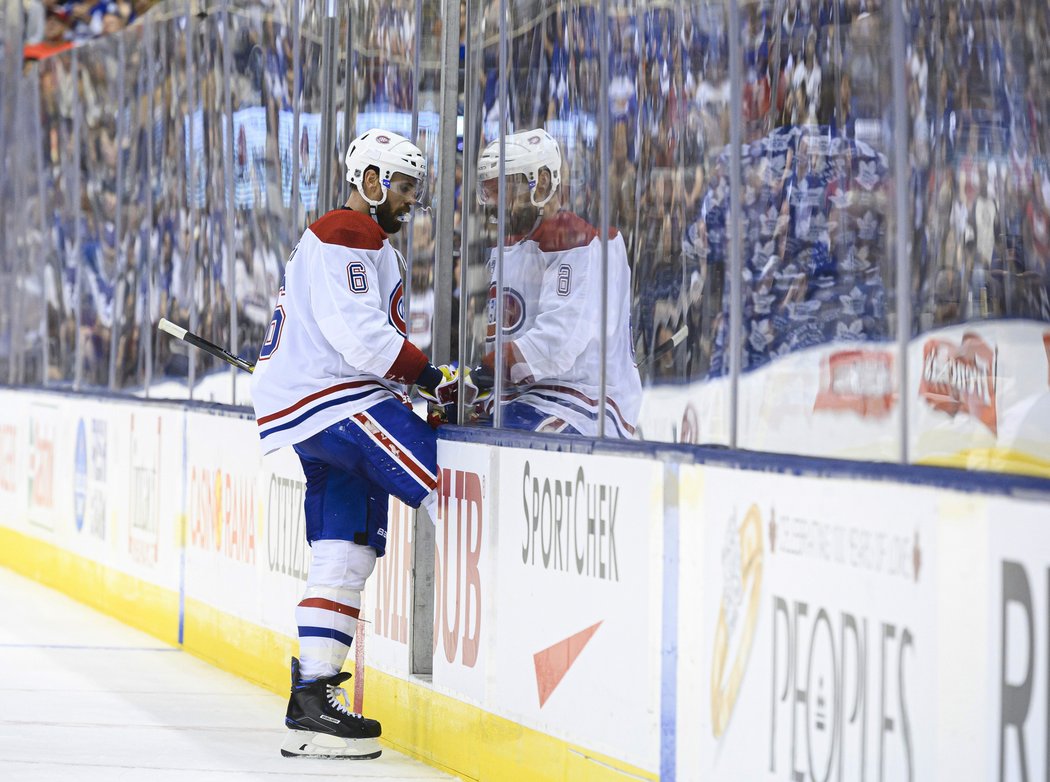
(521, 213)
(401, 196)
(516, 192)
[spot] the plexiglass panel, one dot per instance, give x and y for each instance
(673, 69)
(58, 120)
(98, 84)
(818, 359)
(174, 219)
(260, 84)
(535, 254)
(979, 221)
(749, 155)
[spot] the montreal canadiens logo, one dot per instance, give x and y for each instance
(513, 311)
(396, 310)
(383, 139)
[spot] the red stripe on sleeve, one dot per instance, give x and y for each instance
(408, 364)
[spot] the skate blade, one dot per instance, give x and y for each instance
(304, 743)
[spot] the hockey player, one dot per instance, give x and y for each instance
(552, 295)
(330, 382)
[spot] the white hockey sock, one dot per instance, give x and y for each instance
(327, 619)
(430, 505)
(327, 615)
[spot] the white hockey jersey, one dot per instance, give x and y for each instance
(552, 314)
(336, 344)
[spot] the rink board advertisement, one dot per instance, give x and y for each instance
(86, 476)
(224, 514)
(974, 401)
(466, 589)
(147, 469)
(388, 597)
(578, 599)
(813, 627)
(816, 654)
(1018, 673)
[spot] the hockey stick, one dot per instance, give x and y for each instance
(178, 332)
(666, 346)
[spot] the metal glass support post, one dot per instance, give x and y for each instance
(736, 261)
(445, 216)
(501, 215)
(118, 217)
(146, 328)
(191, 190)
(15, 244)
(417, 45)
(471, 131)
(74, 208)
(297, 89)
(902, 176)
(603, 205)
(34, 77)
(227, 173)
(329, 54)
(423, 542)
(348, 93)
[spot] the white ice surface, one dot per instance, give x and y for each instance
(85, 698)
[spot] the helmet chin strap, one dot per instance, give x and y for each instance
(535, 225)
(372, 204)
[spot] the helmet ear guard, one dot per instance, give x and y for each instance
(389, 154)
(527, 153)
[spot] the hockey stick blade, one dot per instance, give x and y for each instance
(666, 346)
(200, 343)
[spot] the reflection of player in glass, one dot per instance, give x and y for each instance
(552, 297)
(307, 166)
(242, 153)
(330, 382)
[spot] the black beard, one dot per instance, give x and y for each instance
(386, 218)
(522, 220)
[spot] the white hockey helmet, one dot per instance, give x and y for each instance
(390, 154)
(527, 152)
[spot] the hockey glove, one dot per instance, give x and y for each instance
(477, 386)
(444, 392)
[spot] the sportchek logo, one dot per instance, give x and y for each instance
(857, 380)
(960, 378)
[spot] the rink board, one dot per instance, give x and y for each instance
(978, 398)
(598, 612)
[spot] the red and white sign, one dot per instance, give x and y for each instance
(578, 599)
(225, 513)
(465, 597)
(388, 598)
(961, 378)
(859, 381)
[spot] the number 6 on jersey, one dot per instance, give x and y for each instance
(357, 276)
(273, 331)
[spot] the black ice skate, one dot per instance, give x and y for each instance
(322, 726)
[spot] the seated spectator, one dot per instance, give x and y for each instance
(55, 39)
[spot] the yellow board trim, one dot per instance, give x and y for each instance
(999, 460)
(454, 736)
(133, 601)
